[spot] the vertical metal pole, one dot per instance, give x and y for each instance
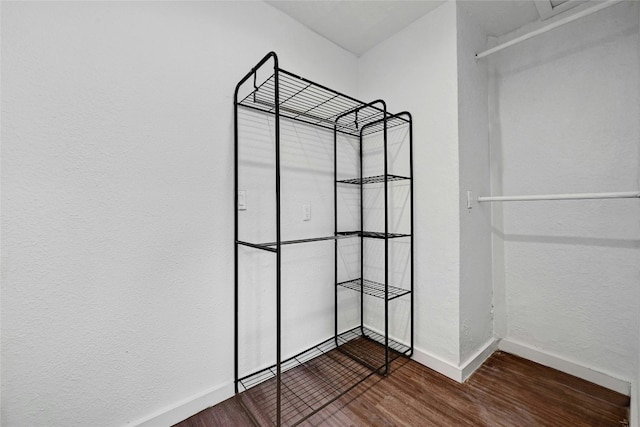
(235, 207)
(235, 240)
(386, 250)
(411, 222)
(361, 239)
(278, 241)
(335, 231)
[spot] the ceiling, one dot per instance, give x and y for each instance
(358, 25)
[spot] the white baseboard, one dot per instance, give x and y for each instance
(634, 410)
(476, 360)
(438, 364)
(461, 372)
(565, 365)
(182, 410)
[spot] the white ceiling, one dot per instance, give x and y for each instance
(499, 17)
(358, 25)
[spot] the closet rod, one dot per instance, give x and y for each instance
(576, 196)
(549, 27)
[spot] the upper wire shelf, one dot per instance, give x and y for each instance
(314, 104)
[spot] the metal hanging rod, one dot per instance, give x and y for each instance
(574, 196)
(549, 27)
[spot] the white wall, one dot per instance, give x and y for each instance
(635, 396)
(565, 118)
(415, 70)
(306, 171)
(476, 287)
(117, 255)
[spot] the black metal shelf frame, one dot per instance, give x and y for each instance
(289, 96)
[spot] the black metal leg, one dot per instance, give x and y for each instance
(361, 240)
(278, 245)
(335, 233)
(386, 247)
(235, 240)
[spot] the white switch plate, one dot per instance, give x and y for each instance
(306, 211)
(242, 200)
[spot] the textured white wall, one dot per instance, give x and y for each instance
(565, 118)
(636, 397)
(117, 254)
(476, 287)
(306, 172)
(415, 70)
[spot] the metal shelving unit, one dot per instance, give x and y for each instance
(292, 390)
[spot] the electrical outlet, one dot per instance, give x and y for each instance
(306, 211)
(242, 200)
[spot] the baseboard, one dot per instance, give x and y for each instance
(438, 364)
(634, 409)
(186, 408)
(476, 360)
(565, 365)
(448, 369)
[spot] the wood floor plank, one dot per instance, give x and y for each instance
(506, 391)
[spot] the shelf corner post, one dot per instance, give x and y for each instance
(276, 79)
(386, 243)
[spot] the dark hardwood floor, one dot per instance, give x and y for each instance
(505, 391)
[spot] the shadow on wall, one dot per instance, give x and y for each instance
(569, 240)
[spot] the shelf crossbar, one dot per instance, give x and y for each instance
(341, 235)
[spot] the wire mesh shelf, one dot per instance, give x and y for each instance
(374, 289)
(315, 378)
(311, 103)
(373, 179)
(367, 346)
(373, 234)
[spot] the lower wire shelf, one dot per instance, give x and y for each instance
(317, 377)
(374, 289)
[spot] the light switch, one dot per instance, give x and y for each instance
(242, 200)
(306, 211)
